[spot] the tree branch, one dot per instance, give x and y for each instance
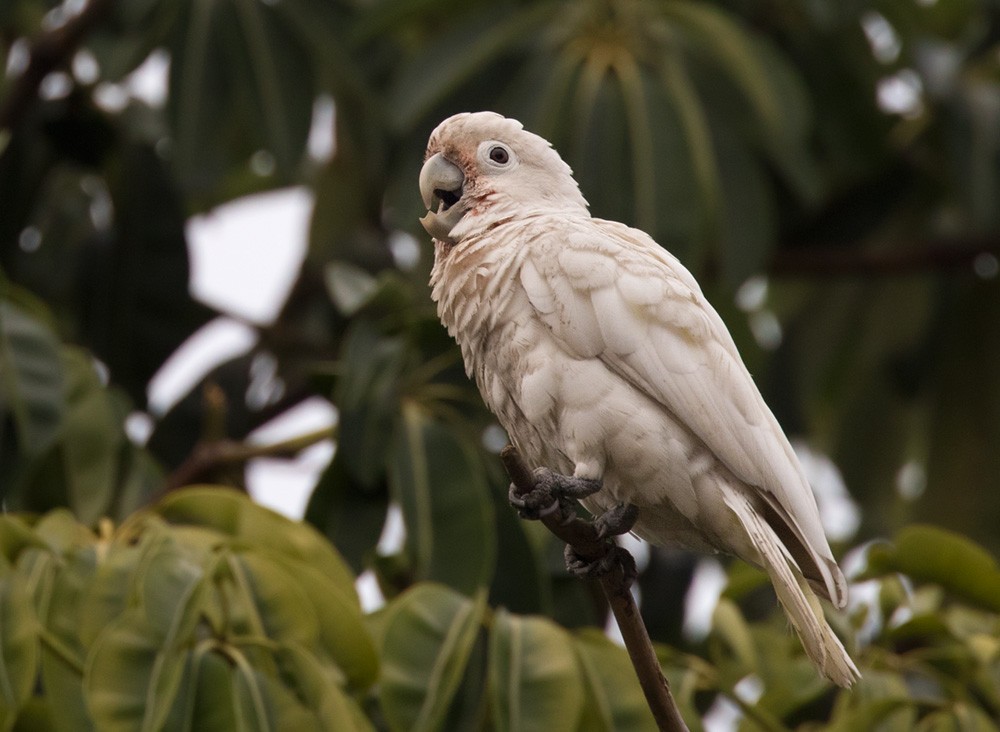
(930, 256)
(48, 52)
(582, 537)
(208, 457)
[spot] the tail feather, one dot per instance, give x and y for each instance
(796, 597)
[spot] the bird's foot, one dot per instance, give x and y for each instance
(615, 557)
(617, 520)
(549, 493)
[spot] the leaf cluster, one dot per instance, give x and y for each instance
(209, 612)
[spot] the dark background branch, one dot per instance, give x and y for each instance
(928, 256)
(48, 52)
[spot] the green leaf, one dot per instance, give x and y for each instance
(350, 514)
(722, 39)
(318, 688)
(342, 631)
(262, 705)
(106, 597)
(615, 700)
(137, 662)
(441, 487)
(729, 626)
(62, 532)
(72, 580)
(240, 81)
(208, 695)
(92, 439)
(18, 647)
(64, 699)
(458, 56)
(31, 379)
(131, 681)
(172, 583)
(692, 123)
(368, 395)
(278, 599)
(535, 679)
(961, 717)
(429, 634)
(746, 225)
(931, 554)
(15, 536)
(234, 514)
(521, 582)
(140, 305)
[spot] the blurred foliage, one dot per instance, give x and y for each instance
(208, 612)
(829, 170)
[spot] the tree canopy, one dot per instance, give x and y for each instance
(829, 170)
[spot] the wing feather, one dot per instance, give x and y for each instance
(644, 316)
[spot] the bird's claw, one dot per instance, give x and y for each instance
(617, 520)
(549, 493)
(615, 557)
(533, 504)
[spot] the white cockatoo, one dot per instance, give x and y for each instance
(600, 356)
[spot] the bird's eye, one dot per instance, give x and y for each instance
(499, 155)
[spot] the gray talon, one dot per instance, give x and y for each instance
(549, 491)
(617, 520)
(585, 569)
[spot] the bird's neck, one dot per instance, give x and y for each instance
(473, 282)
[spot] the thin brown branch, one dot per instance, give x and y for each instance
(931, 256)
(49, 51)
(582, 537)
(209, 457)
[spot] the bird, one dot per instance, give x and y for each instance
(598, 353)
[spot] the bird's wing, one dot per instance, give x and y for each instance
(610, 292)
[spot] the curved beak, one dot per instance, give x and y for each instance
(441, 184)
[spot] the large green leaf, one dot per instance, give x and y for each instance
(280, 607)
(441, 486)
(241, 80)
(235, 515)
(367, 393)
(718, 36)
(931, 554)
(31, 378)
(107, 595)
(137, 304)
(429, 634)
(959, 718)
(458, 56)
(535, 680)
(63, 655)
(208, 697)
(137, 663)
(614, 699)
(318, 689)
(296, 604)
(521, 582)
(93, 439)
(349, 513)
(880, 700)
(16, 535)
(18, 647)
(130, 681)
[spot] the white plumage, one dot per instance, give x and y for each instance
(602, 359)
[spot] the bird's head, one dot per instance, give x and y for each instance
(482, 169)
